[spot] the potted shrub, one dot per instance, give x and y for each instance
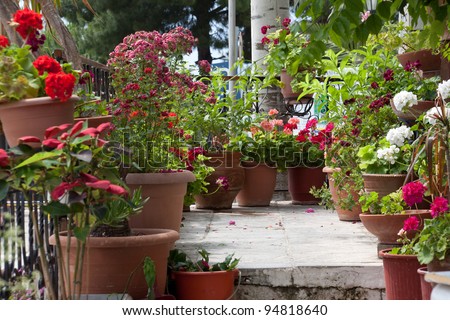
(385, 162)
(304, 160)
(41, 83)
(79, 183)
(289, 59)
(201, 279)
(400, 266)
(151, 86)
(217, 124)
(384, 216)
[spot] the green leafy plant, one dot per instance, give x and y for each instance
(393, 203)
(179, 261)
(76, 177)
(434, 240)
(290, 49)
(390, 155)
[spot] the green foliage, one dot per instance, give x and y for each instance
(150, 277)
(341, 21)
(179, 261)
(434, 239)
(393, 203)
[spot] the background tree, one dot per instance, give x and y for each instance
(97, 34)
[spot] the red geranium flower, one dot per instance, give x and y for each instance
(47, 64)
(4, 42)
(29, 21)
(4, 158)
(60, 85)
(412, 223)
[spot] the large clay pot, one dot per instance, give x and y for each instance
(336, 194)
(259, 185)
(166, 191)
(425, 286)
(226, 164)
(409, 116)
(31, 117)
(301, 180)
(430, 63)
(110, 262)
(383, 184)
(210, 285)
(439, 265)
(386, 226)
(400, 275)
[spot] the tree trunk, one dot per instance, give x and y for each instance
(65, 38)
(265, 12)
(7, 9)
(202, 29)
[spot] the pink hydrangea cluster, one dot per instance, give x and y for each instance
(413, 192)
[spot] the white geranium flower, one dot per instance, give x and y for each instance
(404, 99)
(388, 154)
(444, 89)
(397, 136)
(435, 112)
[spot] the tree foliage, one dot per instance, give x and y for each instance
(97, 34)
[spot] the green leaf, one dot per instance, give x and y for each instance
(81, 233)
(4, 187)
(341, 27)
(39, 157)
(374, 24)
(384, 9)
(150, 277)
(56, 209)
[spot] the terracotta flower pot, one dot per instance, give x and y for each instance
(430, 63)
(383, 184)
(410, 115)
(259, 185)
(301, 180)
(425, 286)
(400, 275)
(336, 194)
(31, 117)
(386, 226)
(210, 285)
(111, 261)
(166, 192)
(227, 165)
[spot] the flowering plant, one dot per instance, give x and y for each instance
(405, 85)
(152, 85)
(288, 48)
(391, 154)
(433, 241)
(22, 75)
(75, 176)
(410, 195)
(219, 119)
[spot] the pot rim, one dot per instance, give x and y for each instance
(142, 238)
(36, 101)
(160, 177)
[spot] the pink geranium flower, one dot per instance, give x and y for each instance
(413, 192)
(439, 205)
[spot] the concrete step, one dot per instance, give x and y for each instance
(289, 252)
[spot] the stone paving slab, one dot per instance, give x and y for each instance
(283, 249)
